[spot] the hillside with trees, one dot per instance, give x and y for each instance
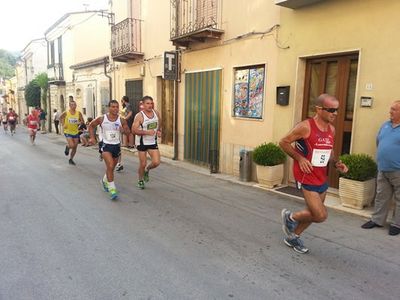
(7, 63)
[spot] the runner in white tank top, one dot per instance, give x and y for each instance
(110, 148)
(147, 128)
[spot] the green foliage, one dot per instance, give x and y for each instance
(268, 155)
(42, 80)
(32, 94)
(7, 63)
(361, 166)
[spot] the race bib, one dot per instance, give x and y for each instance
(11, 118)
(33, 123)
(152, 125)
(112, 135)
(73, 121)
(320, 157)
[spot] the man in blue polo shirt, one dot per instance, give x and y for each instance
(388, 184)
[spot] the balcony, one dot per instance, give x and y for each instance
(294, 4)
(55, 73)
(126, 40)
(195, 21)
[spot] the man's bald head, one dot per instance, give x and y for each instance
(323, 99)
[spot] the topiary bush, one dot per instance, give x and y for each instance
(268, 155)
(361, 167)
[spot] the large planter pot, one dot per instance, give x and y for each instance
(270, 176)
(356, 194)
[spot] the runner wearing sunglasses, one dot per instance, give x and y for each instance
(312, 151)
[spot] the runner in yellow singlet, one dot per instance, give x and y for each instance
(71, 119)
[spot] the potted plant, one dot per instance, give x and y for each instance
(357, 186)
(269, 159)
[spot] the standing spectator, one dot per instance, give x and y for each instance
(42, 118)
(388, 183)
(56, 119)
(129, 120)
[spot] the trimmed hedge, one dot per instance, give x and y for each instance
(268, 155)
(361, 167)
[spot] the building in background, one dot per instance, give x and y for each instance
(139, 39)
(77, 61)
(32, 61)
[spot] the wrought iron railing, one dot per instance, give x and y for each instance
(188, 16)
(126, 37)
(55, 72)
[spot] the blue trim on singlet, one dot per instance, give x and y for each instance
(301, 146)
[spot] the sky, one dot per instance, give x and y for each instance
(24, 20)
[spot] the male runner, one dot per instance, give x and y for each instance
(33, 124)
(314, 140)
(12, 120)
(71, 120)
(111, 126)
(147, 127)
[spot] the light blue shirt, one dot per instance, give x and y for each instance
(388, 154)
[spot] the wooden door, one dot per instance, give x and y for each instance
(337, 76)
(167, 111)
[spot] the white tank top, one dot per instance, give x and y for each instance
(110, 131)
(148, 124)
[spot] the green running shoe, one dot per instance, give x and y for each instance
(105, 185)
(146, 176)
(140, 184)
(113, 194)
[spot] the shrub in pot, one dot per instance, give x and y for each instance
(269, 159)
(357, 186)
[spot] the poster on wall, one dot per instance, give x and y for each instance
(249, 92)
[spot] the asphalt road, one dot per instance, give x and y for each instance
(187, 236)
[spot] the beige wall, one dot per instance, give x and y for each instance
(342, 26)
(238, 133)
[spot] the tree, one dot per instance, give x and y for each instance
(32, 94)
(43, 81)
(7, 63)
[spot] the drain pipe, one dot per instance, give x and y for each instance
(108, 76)
(176, 97)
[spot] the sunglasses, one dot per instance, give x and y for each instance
(330, 110)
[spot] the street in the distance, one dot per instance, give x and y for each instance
(186, 236)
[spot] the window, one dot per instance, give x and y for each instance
(249, 92)
(51, 54)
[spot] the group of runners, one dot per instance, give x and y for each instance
(310, 144)
(9, 121)
(146, 127)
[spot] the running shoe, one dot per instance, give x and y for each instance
(119, 167)
(66, 151)
(296, 243)
(71, 162)
(146, 177)
(288, 225)
(113, 193)
(104, 184)
(140, 184)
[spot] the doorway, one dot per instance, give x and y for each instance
(337, 76)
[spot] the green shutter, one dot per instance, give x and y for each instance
(202, 117)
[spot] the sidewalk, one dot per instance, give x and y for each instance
(332, 201)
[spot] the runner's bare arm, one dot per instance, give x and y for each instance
(81, 118)
(300, 131)
(159, 123)
(92, 126)
(125, 127)
(62, 117)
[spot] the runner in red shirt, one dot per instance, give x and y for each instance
(314, 140)
(33, 125)
(12, 120)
